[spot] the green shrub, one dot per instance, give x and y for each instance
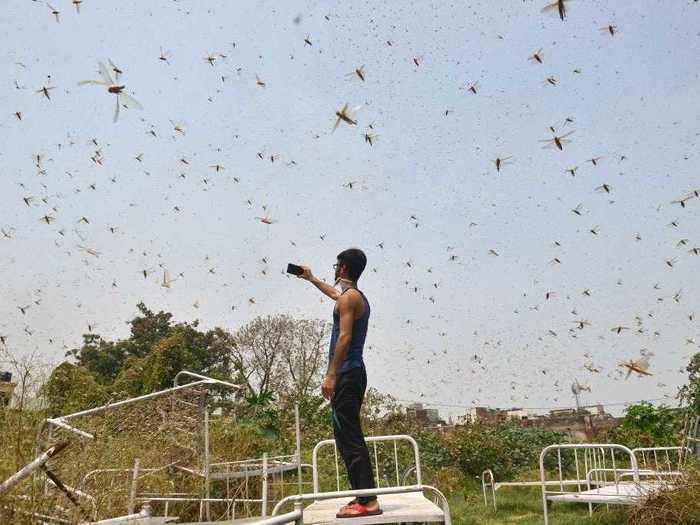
(645, 425)
(507, 449)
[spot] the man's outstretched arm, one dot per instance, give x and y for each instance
(326, 288)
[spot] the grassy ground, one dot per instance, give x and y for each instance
(523, 506)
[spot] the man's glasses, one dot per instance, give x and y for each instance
(335, 266)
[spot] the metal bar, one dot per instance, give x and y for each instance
(134, 483)
(208, 379)
(296, 516)
(264, 486)
(594, 452)
(145, 513)
(376, 463)
(396, 463)
(297, 429)
(58, 422)
(207, 484)
(605, 475)
(31, 467)
(396, 437)
(543, 479)
(588, 483)
(561, 474)
(488, 472)
(254, 462)
(245, 491)
(578, 474)
(132, 400)
(228, 490)
(337, 472)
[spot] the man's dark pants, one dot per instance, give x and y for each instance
(347, 401)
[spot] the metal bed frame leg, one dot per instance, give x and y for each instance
(337, 472)
(298, 444)
(543, 478)
(264, 485)
(376, 464)
(492, 484)
(207, 488)
(228, 491)
(544, 506)
(132, 490)
(297, 508)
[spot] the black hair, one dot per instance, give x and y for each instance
(354, 260)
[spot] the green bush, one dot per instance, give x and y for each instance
(645, 425)
(507, 449)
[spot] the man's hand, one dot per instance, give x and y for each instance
(328, 386)
(307, 274)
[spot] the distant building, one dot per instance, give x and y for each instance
(517, 413)
(495, 415)
(426, 416)
(580, 425)
(7, 388)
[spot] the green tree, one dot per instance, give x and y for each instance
(72, 388)
(645, 425)
(690, 393)
(148, 360)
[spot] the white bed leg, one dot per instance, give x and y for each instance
(544, 506)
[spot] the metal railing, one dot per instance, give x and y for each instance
(494, 485)
(373, 441)
(662, 459)
(399, 488)
(598, 461)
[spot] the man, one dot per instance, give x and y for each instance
(346, 379)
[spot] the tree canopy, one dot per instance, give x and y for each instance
(270, 357)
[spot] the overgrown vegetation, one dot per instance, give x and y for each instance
(678, 504)
(279, 361)
(646, 425)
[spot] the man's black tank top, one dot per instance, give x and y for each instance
(353, 359)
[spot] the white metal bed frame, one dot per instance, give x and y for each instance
(647, 460)
(223, 471)
(488, 482)
(400, 503)
(605, 466)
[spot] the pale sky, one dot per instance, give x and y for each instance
(631, 94)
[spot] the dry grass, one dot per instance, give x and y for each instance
(678, 504)
(165, 434)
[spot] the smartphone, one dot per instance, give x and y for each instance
(294, 269)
